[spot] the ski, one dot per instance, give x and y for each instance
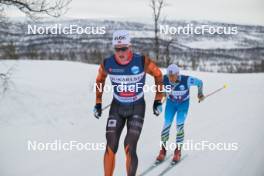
(171, 166)
(154, 165)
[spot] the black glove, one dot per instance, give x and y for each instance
(98, 110)
(201, 97)
(157, 107)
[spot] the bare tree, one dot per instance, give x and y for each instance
(168, 40)
(34, 8)
(5, 80)
(168, 59)
(10, 51)
(195, 62)
(156, 6)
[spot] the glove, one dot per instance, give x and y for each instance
(98, 110)
(157, 107)
(201, 97)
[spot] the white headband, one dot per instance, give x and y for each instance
(173, 69)
(121, 37)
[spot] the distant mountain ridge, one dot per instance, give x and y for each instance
(243, 52)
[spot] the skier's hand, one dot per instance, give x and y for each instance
(201, 97)
(157, 107)
(98, 110)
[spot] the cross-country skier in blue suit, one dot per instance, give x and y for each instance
(177, 89)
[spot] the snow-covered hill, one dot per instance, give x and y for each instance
(53, 100)
(244, 50)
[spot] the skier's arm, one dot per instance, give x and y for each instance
(192, 81)
(167, 87)
(100, 81)
(152, 69)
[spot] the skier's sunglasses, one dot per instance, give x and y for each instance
(121, 49)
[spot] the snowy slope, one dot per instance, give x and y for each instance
(53, 100)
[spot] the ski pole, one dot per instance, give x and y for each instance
(104, 108)
(217, 90)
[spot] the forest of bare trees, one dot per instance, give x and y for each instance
(164, 49)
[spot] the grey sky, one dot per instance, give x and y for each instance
(236, 11)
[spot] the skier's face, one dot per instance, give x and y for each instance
(123, 52)
(173, 77)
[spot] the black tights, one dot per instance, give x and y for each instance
(133, 117)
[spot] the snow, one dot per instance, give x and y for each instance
(142, 34)
(212, 44)
(53, 100)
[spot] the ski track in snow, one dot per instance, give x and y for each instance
(54, 100)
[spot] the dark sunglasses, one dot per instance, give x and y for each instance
(121, 49)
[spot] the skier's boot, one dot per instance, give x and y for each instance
(161, 155)
(177, 155)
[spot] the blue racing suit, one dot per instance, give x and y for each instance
(177, 101)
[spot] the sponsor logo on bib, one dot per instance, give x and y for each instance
(182, 87)
(135, 70)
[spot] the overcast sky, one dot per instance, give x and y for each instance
(235, 11)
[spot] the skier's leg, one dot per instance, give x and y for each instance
(181, 117)
(134, 127)
(170, 111)
(115, 125)
(180, 134)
